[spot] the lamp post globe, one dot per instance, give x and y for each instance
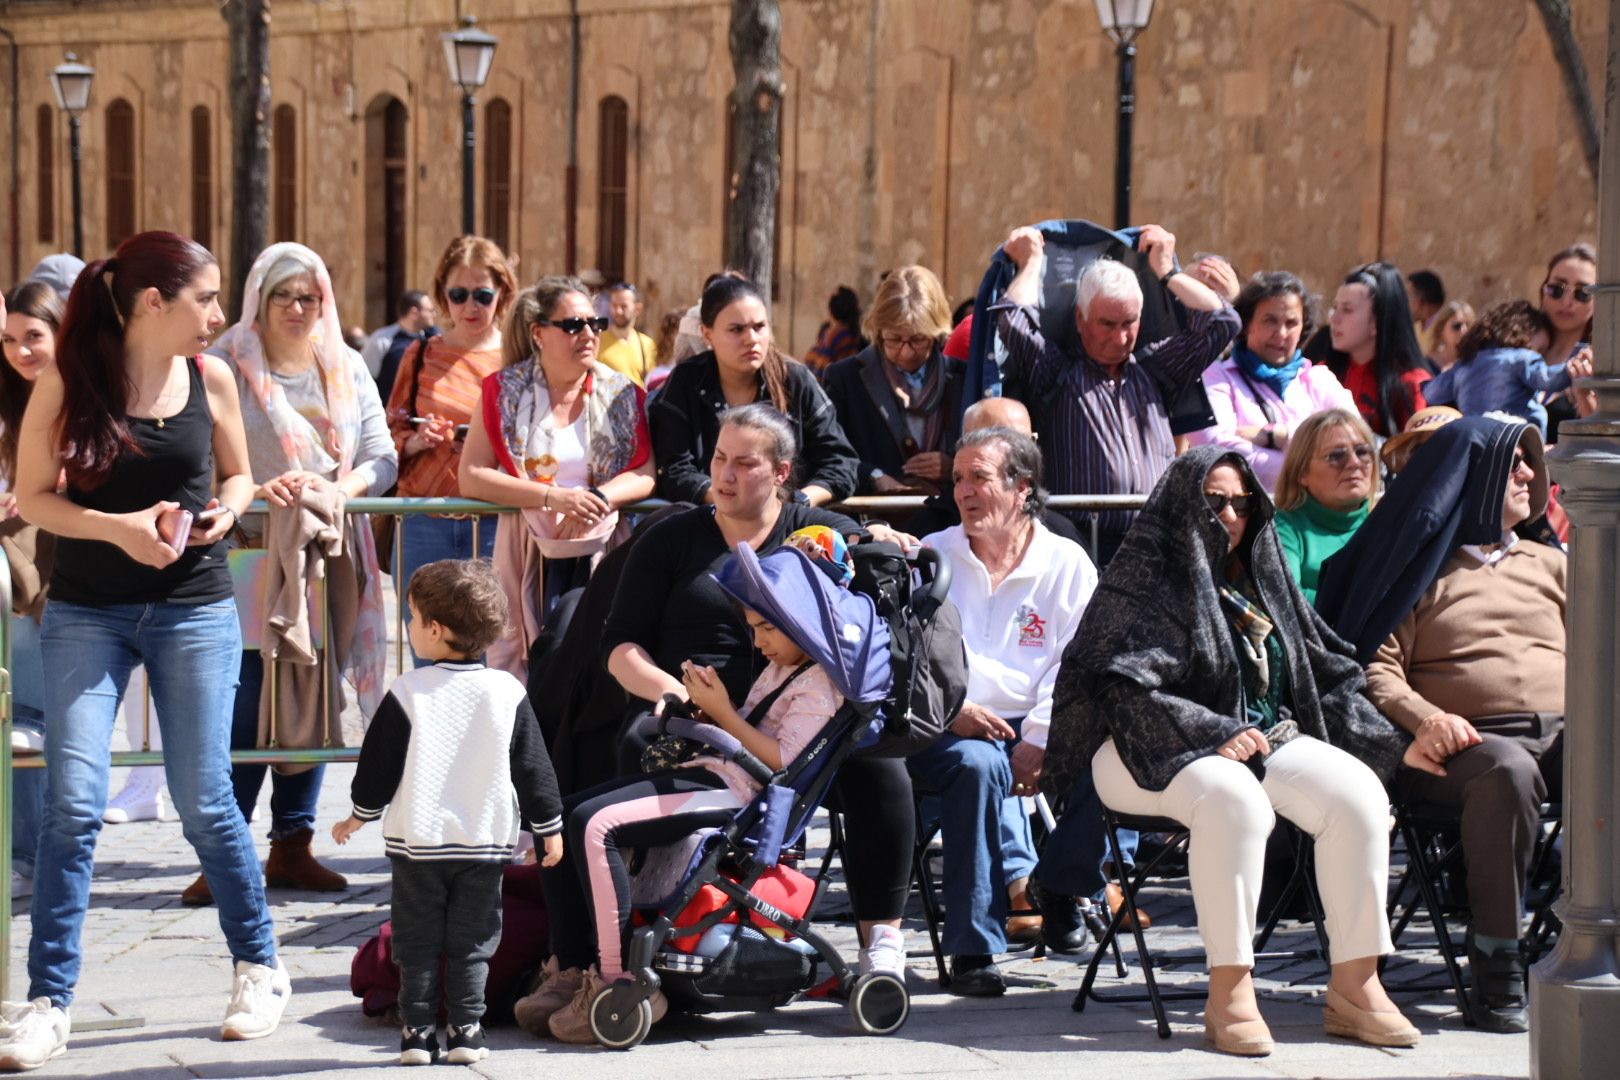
(70, 83)
(469, 53)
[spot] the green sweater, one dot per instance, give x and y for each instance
(1310, 534)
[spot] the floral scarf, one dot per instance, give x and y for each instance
(516, 402)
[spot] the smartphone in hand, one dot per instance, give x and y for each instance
(175, 528)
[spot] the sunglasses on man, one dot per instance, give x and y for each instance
(574, 327)
(482, 297)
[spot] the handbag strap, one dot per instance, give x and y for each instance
(757, 713)
(1265, 406)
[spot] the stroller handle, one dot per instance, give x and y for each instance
(935, 572)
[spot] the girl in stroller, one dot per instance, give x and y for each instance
(588, 893)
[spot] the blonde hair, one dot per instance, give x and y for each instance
(909, 300)
(1302, 451)
(477, 251)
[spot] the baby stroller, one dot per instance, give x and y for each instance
(724, 923)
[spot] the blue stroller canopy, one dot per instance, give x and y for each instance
(838, 629)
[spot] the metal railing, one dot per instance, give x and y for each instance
(873, 507)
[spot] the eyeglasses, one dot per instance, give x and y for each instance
(1339, 458)
(1242, 505)
(481, 297)
(574, 327)
(1459, 326)
(1557, 289)
(917, 344)
(285, 300)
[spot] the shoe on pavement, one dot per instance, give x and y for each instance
(418, 1045)
(466, 1044)
(572, 1023)
(1116, 900)
(292, 865)
(22, 885)
(258, 998)
(885, 953)
(1062, 924)
(33, 1033)
(140, 800)
(1496, 989)
(552, 993)
(197, 894)
(976, 976)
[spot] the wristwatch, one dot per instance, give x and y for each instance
(875, 475)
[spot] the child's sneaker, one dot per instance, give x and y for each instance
(33, 1034)
(555, 990)
(418, 1045)
(466, 1044)
(885, 953)
(258, 998)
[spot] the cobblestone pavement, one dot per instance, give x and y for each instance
(148, 957)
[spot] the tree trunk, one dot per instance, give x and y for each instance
(249, 87)
(1572, 66)
(756, 164)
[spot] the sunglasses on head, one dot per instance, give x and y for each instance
(1557, 289)
(1340, 457)
(1242, 505)
(575, 326)
(481, 297)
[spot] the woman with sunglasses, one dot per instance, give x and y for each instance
(1567, 301)
(1327, 485)
(1374, 350)
(1202, 687)
(435, 396)
(562, 436)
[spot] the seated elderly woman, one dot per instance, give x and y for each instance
(1461, 625)
(1202, 687)
(1327, 486)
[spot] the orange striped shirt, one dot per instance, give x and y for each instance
(448, 386)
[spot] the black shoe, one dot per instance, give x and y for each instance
(466, 1044)
(976, 976)
(1062, 925)
(418, 1046)
(1496, 990)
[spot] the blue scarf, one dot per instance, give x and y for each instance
(1278, 378)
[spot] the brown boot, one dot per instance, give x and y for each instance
(197, 894)
(292, 866)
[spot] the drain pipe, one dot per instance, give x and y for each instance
(16, 223)
(571, 173)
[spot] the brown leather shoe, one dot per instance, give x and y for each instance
(1116, 897)
(1023, 920)
(292, 866)
(197, 893)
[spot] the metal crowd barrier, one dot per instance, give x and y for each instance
(866, 506)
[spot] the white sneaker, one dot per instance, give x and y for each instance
(26, 742)
(22, 885)
(142, 799)
(33, 1034)
(885, 953)
(258, 998)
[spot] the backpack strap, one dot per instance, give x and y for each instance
(757, 713)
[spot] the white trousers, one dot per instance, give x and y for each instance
(1326, 792)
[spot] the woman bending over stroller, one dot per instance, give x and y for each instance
(588, 893)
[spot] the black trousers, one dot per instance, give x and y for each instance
(449, 910)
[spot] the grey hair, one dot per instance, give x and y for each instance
(1020, 460)
(782, 442)
(294, 263)
(1108, 279)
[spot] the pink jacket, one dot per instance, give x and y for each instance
(1234, 406)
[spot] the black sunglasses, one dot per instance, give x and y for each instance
(1556, 290)
(575, 326)
(1242, 505)
(481, 297)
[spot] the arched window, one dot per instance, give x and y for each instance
(498, 172)
(284, 174)
(202, 177)
(120, 172)
(612, 186)
(45, 172)
(386, 249)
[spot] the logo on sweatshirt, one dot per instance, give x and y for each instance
(1031, 628)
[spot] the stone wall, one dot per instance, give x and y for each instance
(1306, 134)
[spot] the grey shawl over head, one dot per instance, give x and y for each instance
(1153, 663)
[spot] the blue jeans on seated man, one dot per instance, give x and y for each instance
(986, 834)
(1072, 860)
(192, 655)
(28, 713)
(422, 539)
(292, 797)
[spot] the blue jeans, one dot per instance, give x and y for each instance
(292, 797)
(27, 711)
(421, 539)
(986, 833)
(1072, 860)
(191, 653)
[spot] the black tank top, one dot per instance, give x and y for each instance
(175, 463)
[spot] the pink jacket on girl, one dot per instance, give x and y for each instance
(1232, 400)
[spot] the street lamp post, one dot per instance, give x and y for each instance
(70, 82)
(469, 52)
(1122, 21)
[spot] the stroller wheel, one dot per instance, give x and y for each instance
(617, 1023)
(879, 1003)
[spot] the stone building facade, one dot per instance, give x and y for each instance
(1304, 134)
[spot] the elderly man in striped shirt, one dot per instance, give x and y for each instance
(1100, 407)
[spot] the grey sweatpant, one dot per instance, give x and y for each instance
(450, 910)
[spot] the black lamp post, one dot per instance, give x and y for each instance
(469, 52)
(1123, 20)
(70, 82)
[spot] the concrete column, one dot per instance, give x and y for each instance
(1575, 990)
